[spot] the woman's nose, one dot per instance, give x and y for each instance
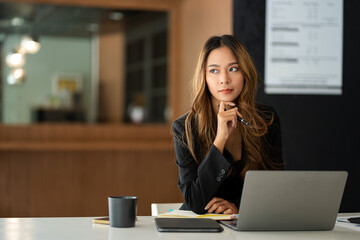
(224, 78)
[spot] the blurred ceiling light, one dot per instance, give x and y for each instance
(30, 44)
(15, 59)
(116, 16)
(16, 21)
(17, 76)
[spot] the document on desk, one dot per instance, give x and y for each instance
(343, 222)
(191, 214)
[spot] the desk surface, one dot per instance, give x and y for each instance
(83, 228)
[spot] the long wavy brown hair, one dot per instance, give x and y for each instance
(203, 120)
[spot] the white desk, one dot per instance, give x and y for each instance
(83, 228)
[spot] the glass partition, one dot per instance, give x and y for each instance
(76, 76)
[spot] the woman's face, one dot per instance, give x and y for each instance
(223, 76)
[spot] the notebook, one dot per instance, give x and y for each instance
(187, 225)
(103, 220)
(289, 200)
(191, 214)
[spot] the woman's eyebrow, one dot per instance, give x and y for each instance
(233, 63)
(216, 65)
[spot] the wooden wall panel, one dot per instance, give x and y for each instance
(111, 72)
(78, 183)
(70, 170)
(126, 4)
(13, 186)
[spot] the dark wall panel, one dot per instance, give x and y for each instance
(320, 132)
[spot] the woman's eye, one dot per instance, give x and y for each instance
(214, 71)
(233, 69)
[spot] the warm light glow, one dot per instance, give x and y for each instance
(15, 59)
(18, 73)
(30, 45)
(16, 76)
(116, 16)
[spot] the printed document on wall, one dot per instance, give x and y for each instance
(303, 47)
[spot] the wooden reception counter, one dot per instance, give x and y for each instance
(71, 169)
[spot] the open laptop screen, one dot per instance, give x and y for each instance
(290, 200)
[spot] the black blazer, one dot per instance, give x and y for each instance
(200, 183)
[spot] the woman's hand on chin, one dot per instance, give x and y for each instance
(226, 122)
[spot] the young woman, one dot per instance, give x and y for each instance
(214, 149)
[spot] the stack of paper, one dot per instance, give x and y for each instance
(190, 214)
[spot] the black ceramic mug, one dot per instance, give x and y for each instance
(122, 211)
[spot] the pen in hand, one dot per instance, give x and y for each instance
(239, 119)
(243, 121)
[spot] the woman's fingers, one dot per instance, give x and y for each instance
(227, 121)
(229, 116)
(212, 201)
(209, 204)
(231, 211)
(214, 205)
(219, 205)
(222, 106)
(222, 207)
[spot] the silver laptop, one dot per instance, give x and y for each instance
(289, 200)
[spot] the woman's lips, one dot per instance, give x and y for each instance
(226, 91)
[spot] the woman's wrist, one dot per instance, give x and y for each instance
(219, 144)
